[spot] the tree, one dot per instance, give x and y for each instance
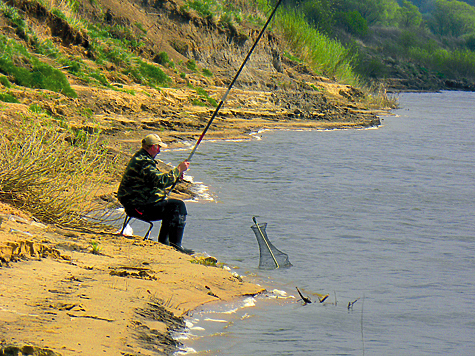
(408, 15)
(320, 13)
(381, 12)
(353, 22)
(453, 18)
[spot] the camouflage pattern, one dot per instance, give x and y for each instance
(143, 183)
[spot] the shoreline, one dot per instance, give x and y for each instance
(127, 298)
(124, 294)
(253, 131)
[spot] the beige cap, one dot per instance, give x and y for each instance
(153, 139)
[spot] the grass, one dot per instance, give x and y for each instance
(206, 99)
(116, 45)
(95, 248)
(323, 54)
(222, 13)
(109, 44)
(205, 261)
(377, 97)
(191, 65)
(207, 72)
(53, 172)
(8, 98)
(26, 70)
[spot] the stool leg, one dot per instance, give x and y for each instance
(149, 229)
(126, 222)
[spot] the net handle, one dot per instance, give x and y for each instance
(265, 240)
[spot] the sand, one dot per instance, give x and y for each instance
(72, 293)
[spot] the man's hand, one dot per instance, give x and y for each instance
(183, 166)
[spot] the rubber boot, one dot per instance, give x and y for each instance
(176, 236)
(164, 233)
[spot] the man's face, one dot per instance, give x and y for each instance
(155, 150)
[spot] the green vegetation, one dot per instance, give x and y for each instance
(421, 39)
(206, 261)
(8, 98)
(325, 55)
(207, 72)
(95, 247)
(5, 82)
(205, 98)
(225, 13)
(115, 45)
(354, 41)
(162, 58)
(36, 109)
(191, 65)
(32, 73)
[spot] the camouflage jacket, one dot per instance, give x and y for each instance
(142, 182)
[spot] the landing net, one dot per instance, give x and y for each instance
(270, 257)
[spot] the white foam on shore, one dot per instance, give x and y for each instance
(184, 336)
(231, 311)
(185, 351)
(280, 293)
(227, 309)
(201, 191)
(249, 302)
(215, 320)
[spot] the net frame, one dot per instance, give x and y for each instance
(270, 257)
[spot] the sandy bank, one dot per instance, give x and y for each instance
(57, 295)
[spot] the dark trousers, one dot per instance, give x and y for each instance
(172, 212)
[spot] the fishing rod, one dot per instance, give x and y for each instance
(223, 99)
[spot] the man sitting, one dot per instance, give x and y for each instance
(142, 192)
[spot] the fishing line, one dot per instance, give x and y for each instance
(227, 92)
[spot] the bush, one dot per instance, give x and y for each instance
(191, 65)
(162, 58)
(152, 74)
(207, 72)
(372, 68)
(5, 82)
(41, 171)
(470, 42)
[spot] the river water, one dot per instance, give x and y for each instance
(381, 218)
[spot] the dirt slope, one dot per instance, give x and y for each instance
(271, 89)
